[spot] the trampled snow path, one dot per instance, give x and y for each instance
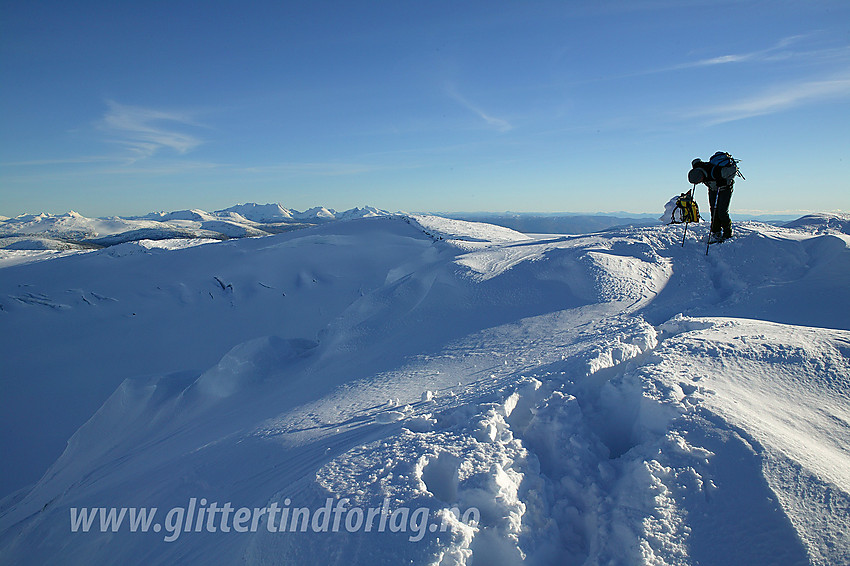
(547, 383)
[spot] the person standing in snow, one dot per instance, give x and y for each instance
(718, 174)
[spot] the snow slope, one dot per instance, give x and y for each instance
(611, 398)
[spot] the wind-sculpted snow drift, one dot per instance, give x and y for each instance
(612, 398)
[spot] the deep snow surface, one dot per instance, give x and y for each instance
(613, 398)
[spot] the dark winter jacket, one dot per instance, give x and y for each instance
(711, 175)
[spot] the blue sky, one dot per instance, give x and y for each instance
(128, 107)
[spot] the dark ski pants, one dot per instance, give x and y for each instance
(720, 213)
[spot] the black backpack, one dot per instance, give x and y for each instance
(724, 166)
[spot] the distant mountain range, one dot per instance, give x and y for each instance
(555, 223)
(71, 230)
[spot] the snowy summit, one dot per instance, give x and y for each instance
(401, 389)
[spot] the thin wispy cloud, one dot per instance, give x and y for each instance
(782, 50)
(492, 121)
(777, 99)
(147, 132)
(775, 52)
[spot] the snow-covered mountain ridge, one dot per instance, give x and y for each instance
(72, 231)
(610, 398)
